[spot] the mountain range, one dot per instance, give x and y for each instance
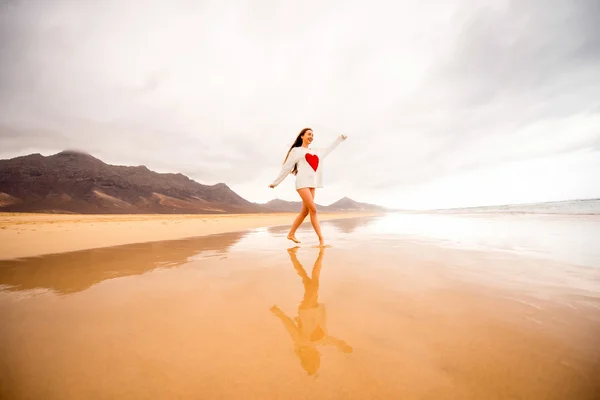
(344, 204)
(76, 182)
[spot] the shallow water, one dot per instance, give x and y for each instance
(573, 239)
(401, 306)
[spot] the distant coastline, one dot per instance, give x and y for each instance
(567, 207)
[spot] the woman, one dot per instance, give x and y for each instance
(306, 163)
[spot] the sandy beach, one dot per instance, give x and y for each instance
(386, 312)
(29, 235)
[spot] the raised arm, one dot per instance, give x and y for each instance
(340, 344)
(324, 152)
(287, 167)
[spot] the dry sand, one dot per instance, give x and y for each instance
(27, 235)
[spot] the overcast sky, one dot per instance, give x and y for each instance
(445, 103)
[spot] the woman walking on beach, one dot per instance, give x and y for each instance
(306, 163)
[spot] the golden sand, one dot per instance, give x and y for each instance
(27, 235)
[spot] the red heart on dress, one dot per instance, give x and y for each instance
(312, 160)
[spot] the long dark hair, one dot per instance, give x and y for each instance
(297, 143)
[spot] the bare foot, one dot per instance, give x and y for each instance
(293, 238)
(321, 243)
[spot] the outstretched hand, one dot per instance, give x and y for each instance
(272, 186)
(344, 137)
(276, 310)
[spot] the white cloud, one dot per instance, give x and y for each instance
(428, 92)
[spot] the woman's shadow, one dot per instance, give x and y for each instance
(309, 329)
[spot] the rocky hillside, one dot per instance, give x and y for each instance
(80, 183)
(347, 204)
(344, 204)
(279, 205)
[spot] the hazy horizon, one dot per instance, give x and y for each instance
(445, 103)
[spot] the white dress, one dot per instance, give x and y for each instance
(310, 165)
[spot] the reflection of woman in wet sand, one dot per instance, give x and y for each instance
(309, 329)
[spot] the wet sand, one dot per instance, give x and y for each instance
(244, 316)
(27, 235)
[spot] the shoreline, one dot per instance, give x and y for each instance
(33, 235)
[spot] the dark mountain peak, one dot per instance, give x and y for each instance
(76, 156)
(276, 201)
(74, 153)
(346, 201)
(67, 152)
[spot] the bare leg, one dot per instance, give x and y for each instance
(297, 222)
(316, 272)
(297, 266)
(307, 195)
